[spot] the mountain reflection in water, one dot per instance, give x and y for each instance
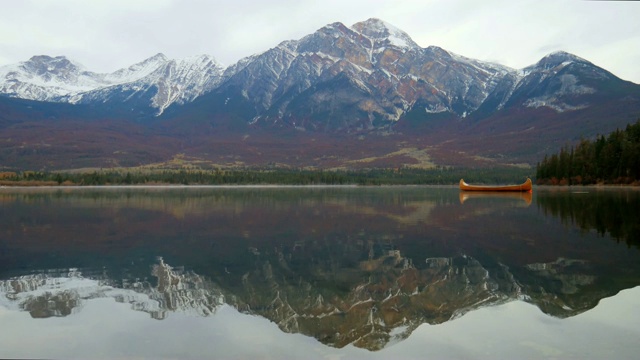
(344, 265)
(58, 293)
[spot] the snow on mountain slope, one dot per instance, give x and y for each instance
(158, 82)
(137, 71)
(186, 79)
(58, 79)
(47, 78)
(558, 81)
(383, 33)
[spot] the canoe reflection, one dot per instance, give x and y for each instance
(525, 196)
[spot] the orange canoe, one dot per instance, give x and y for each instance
(526, 186)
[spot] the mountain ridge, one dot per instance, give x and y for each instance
(58, 79)
(45, 83)
(368, 81)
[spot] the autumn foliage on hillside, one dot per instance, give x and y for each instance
(614, 159)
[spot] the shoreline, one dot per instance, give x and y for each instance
(247, 186)
(275, 186)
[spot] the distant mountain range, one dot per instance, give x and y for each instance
(154, 83)
(369, 87)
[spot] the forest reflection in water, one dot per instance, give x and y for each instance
(610, 211)
(359, 266)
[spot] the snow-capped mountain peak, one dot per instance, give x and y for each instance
(44, 64)
(384, 33)
(558, 58)
(202, 58)
(165, 81)
(47, 78)
(138, 70)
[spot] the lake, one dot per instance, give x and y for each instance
(319, 272)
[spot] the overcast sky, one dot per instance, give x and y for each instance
(105, 35)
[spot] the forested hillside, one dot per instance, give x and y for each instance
(614, 159)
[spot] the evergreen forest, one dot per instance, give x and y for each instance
(614, 159)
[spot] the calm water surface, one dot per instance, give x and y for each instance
(411, 272)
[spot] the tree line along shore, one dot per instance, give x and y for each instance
(401, 176)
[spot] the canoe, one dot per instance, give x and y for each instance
(526, 186)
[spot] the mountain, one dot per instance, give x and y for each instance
(557, 81)
(157, 83)
(315, 96)
(371, 75)
(359, 78)
(47, 78)
(153, 84)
